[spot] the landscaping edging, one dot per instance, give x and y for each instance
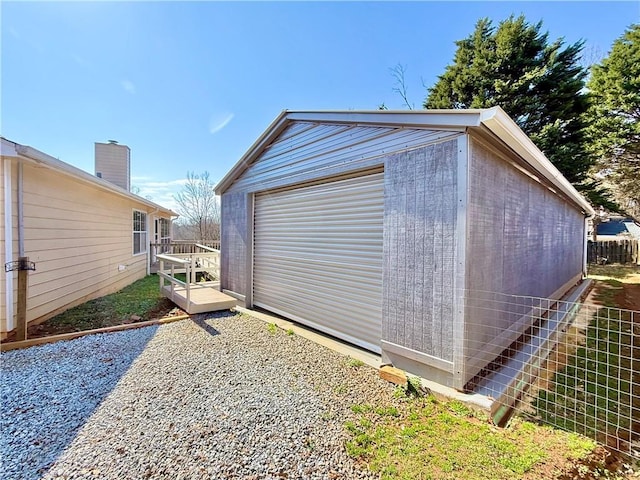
(7, 346)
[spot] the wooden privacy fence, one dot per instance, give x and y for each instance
(613, 251)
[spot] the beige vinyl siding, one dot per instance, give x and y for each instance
(77, 236)
(112, 161)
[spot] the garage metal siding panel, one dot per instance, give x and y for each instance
(305, 152)
(523, 241)
(318, 256)
(419, 228)
(235, 236)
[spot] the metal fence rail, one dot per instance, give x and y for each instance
(577, 367)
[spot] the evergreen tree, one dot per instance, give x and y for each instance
(614, 130)
(536, 82)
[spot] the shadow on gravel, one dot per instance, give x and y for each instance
(201, 322)
(49, 392)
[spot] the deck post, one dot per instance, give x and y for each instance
(173, 275)
(192, 278)
(160, 276)
(188, 283)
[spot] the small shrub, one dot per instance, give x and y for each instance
(399, 392)
(414, 387)
(290, 332)
(459, 408)
(387, 411)
(354, 362)
(360, 408)
(272, 328)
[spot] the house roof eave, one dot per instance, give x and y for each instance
(33, 155)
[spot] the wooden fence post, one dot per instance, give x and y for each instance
(21, 326)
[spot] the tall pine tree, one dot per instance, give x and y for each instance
(540, 84)
(614, 130)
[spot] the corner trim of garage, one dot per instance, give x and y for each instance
(421, 357)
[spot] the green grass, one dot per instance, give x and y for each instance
(272, 328)
(354, 362)
(593, 393)
(141, 298)
(621, 273)
(606, 292)
(431, 440)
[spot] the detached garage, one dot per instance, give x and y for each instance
(374, 227)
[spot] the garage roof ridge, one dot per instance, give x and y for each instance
(494, 118)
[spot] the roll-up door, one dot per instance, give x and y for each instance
(318, 256)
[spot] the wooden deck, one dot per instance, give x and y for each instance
(181, 271)
(204, 297)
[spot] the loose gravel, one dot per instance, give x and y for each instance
(215, 397)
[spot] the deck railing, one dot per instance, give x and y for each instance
(174, 247)
(170, 275)
(193, 278)
(206, 262)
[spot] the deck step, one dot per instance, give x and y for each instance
(204, 297)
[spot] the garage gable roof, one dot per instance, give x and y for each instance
(494, 119)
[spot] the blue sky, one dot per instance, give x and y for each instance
(190, 86)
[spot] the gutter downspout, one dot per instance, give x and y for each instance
(8, 242)
(586, 243)
(150, 224)
(20, 211)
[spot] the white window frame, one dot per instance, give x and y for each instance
(167, 222)
(144, 243)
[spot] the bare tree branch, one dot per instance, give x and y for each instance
(398, 73)
(199, 207)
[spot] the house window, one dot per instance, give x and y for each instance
(139, 232)
(164, 230)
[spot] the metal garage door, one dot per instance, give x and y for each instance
(318, 257)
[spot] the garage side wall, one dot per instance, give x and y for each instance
(419, 259)
(523, 240)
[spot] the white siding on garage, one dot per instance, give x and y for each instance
(318, 256)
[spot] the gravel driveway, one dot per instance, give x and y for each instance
(214, 397)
